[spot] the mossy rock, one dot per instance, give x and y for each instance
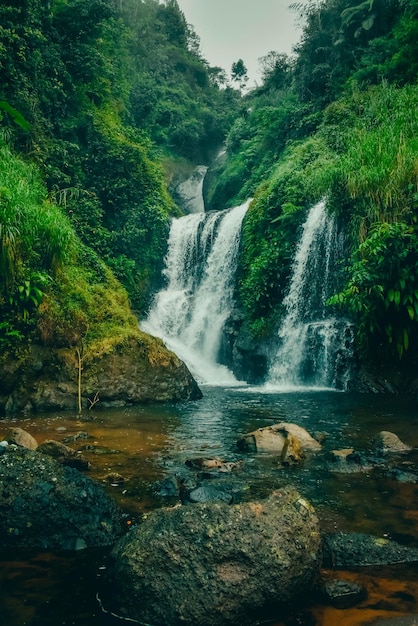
(135, 370)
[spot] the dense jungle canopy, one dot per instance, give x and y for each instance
(105, 103)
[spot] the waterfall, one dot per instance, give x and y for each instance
(190, 312)
(313, 347)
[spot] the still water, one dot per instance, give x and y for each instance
(146, 444)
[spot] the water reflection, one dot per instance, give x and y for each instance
(145, 444)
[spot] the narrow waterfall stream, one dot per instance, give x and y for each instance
(314, 348)
(190, 312)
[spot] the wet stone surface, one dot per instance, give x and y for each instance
(46, 505)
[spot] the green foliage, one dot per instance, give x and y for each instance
(276, 71)
(363, 158)
(85, 309)
(377, 168)
(382, 290)
(28, 296)
(256, 142)
(393, 56)
(11, 338)
(269, 235)
(174, 97)
(95, 86)
(53, 289)
(99, 93)
(15, 115)
(33, 232)
(136, 205)
(36, 241)
(239, 73)
(336, 41)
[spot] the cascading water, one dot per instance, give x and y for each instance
(313, 350)
(190, 312)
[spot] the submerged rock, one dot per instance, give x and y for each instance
(46, 505)
(343, 594)
(64, 454)
(219, 465)
(209, 494)
(348, 461)
(358, 550)
(402, 476)
(215, 564)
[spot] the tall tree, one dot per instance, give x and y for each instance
(239, 73)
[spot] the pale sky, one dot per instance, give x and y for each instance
(242, 29)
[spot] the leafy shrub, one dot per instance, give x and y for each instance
(382, 290)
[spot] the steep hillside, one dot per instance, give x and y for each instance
(337, 120)
(116, 97)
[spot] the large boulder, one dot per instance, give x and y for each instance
(287, 440)
(215, 564)
(137, 371)
(46, 505)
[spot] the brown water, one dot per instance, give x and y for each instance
(145, 444)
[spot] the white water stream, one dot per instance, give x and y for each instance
(190, 312)
(313, 347)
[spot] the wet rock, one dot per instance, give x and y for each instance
(386, 441)
(214, 464)
(139, 370)
(168, 487)
(176, 486)
(215, 564)
(64, 454)
(99, 450)
(114, 479)
(46, 505)
(402, 476)
(21, 438)
(366, 381)
(358, 549)
(339, 456)
(209, 494)
(289, 441)
(343, 594)
(347, 461)
(80, 436)
(244, 355)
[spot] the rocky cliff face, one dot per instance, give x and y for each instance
(139, 369)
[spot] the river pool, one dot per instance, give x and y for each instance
(146, 444)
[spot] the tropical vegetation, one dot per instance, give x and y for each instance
(105, 104)
(336, 120)
(101, 103)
